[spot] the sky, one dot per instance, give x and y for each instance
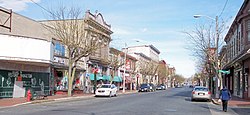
(157, 22)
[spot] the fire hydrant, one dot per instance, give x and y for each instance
(29, 95)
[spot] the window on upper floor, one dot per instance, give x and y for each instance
(239, 38)
(59, 49)
(248, 30)
(238, 42)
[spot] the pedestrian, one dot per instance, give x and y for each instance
(225, 95)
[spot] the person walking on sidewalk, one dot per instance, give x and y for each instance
(225, 95)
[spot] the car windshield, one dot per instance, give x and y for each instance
(201, 89)
(105, 86)
(144, 85)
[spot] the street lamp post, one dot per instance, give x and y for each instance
(124, 71)
(217, 50)
(137, 83)
(95, 70)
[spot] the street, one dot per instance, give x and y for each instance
(164, 102)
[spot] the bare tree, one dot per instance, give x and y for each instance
(202, 45)
(143, 68)
(153, 69)
(148, 68)
(69, 28)
(178, 79)
(162, 72)
(115, 61)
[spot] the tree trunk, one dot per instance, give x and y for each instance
(70, 77)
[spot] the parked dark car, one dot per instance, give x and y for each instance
(152, 87)
(144, 87)
(191, 86)
(161, 87)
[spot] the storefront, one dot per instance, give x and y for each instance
(61, 81)
(18, 78)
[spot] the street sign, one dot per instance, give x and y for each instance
(224, 71)
(87, 75)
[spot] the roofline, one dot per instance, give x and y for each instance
(151, 46)
(235, 19)
(143, 55)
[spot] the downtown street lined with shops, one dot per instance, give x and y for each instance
(72, 56)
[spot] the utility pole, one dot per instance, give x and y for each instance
(216, 59)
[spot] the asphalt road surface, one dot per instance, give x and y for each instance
(165, 102)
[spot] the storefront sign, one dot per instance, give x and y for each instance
(61, 61)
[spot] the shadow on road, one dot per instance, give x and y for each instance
(183, 94)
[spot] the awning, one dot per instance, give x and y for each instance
(106, 77)
(117, 79)
(98, 77)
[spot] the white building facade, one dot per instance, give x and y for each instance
(147, 53)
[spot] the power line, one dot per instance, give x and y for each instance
(41, 7)
(223, 8)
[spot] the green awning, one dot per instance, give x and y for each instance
(106, 77)
(117, 79)
(98, 77)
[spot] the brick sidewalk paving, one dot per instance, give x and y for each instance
(5, 102)
(235, 101)
(8, 102)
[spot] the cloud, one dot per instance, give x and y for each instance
(144, 29)
(16, 5)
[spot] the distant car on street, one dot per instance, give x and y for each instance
(152, 87)
(200, 93)
(144, 88)
(191, 86)
(106, 90)
(161, 87)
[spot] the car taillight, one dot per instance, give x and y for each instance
(193, 92)
(209, 92)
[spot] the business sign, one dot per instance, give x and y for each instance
(60, 61)
(128, 64)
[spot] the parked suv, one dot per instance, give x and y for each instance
(144, 87)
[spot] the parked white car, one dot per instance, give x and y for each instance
(106, 90)
(201, 93)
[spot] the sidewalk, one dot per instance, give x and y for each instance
(12, 102)
(235, 102)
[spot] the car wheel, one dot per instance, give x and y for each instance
(110, 94)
